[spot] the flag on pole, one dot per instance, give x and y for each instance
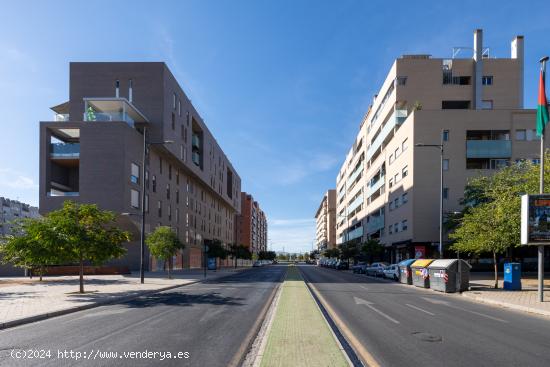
(542, 109)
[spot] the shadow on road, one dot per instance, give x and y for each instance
(183, 299)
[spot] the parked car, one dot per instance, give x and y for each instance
(376, 269)
(359, 268)
(332, 263)
(342, 265)
(257, 264)
(392, 272)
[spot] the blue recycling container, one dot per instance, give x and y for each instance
(512, 276)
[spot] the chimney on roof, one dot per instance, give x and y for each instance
(478, 68)
(517, 53)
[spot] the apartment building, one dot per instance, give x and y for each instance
(325, 219)
(251, 228)
(11, 210)
(92, 153)
(389, 188)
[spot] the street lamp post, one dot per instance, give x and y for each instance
(440, 147)
(146, 145)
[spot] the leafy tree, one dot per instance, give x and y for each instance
(313, 254)
(332, 252)
(239, 252)
(348, 251)
(371, 249)
(491, 219)
(216, 249)
(33, 245)
(164, 244)
(87, 234)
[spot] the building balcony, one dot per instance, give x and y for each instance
(195, 141)
(112, 109)
(196, 158)
(375, 223)
(356, 233)
(54, 192)
(488, 148)
(374, 187)
(354, 175)
(60, 117)
(397, 118)
(64, 150)
(355, 204)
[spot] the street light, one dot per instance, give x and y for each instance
(146, 145)
(440, 147)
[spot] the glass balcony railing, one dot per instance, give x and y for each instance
(108, 116)
(396, 118)
(355, 204)
(372, 188)
(71, 150)
(354, 175)
(488, 148)
(356, 233)
(61, 117)
(375, 223)
(54, 192)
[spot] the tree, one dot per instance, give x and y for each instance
(33, 245)
(87, 234)
(370, 249)
(348, 251)
(332, 252)
(216, 249)
(239, 252)
(491, 220)
(164, 244)
(313, 254)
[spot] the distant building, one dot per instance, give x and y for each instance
(251, 228)
(12, 210)
(325, 218)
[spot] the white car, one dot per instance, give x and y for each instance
(392, 272)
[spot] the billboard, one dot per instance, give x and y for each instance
(535, 219)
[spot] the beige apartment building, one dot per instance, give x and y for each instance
(325, 218)
(388, 188)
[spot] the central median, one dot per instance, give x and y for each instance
(299, 334)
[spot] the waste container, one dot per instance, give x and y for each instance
(405, 273)
(512, 276)
(420, 277)
(449, 275)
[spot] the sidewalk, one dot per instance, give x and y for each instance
(299, 335)
(526, 300)
(23, 300)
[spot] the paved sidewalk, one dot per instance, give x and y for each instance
(23, 299)
(299, 335)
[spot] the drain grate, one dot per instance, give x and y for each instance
(427, 337)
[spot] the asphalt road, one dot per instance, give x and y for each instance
(406, 326)
(210, 321)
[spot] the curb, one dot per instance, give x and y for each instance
(47, 315)
(506, 305)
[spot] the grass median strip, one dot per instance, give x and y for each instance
(299, 335)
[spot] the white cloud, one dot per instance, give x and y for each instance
(16, 180)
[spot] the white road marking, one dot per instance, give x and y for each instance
(360, 301)
(365, 288)
(446, 303)
(419, 309)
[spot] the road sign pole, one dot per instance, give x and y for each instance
(540, 287)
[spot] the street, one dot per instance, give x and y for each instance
(406, 326)
(212, 321)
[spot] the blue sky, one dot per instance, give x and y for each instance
(282, 84)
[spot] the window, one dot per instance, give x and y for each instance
(391, 158)
(487, 104)
(397, 152)
(396, 178)
(177, 178)
(455, 105)
(147, 179)
(177, 215)
(405, 171)
(130, 91)
(154, 182)
(117, 88)
(134, 198)
(396, 202)
(401, 80)
(404, 225)
(487, 80)
(445, 193)
(391, 205)
(168, 191)
(169, 212)
(390, 182)
(404, 198)
(445, 135)
(159, 204)
(160, 165)
(531, 135)
(134, 177)
(179, 107)
(405, 144)
(174, 101)
(521, 134)
(390, 229)
(169, 171)
(173, 121)
(177, 196)
(146, 203)
(396, 227)
(445, 165)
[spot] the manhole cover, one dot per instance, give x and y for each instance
(427, 337)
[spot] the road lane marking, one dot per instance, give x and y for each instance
(365, 288)
(419, 309)
(446, 303)
(359, 349)
(360, 301)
